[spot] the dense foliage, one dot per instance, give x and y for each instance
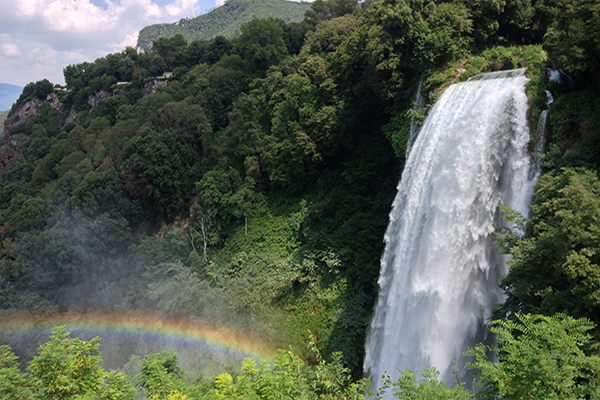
(248, 181)
(66, 368)
(538, 357)
(555, 265)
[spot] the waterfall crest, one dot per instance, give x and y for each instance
(440, 270)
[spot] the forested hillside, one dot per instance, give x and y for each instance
(247, 183)
(224, 20)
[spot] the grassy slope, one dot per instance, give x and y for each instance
(224, 20)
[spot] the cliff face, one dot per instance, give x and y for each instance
(29, 110)
(10, 142)
(97, 97)
(32, 107)
(11, 137)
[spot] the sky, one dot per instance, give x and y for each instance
(38, 38)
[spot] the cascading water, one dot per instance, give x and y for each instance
(440, 270)
(541, 128)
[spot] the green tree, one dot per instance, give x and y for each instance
(244, 134)
(409, 387)
(172, 50)
(330, 35)
(161, 375)
(43, 88)
(538, 357)
(555, 264)
(289, 377)
(261, 44)
(224, 85)
(322, 10)
(195, 53)
(155, 64)
(155, 173)
(407, 37)
(13, 383)
(228, 193)
(49, 118)
(73, 75)
(217, 48)
(570, 37)
(125, 69)
(68, 368)
(26, 213)
(39, 89)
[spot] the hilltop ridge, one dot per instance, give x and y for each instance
(224, 20)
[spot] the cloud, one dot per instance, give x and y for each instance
(38, 38)
(181, 7)
(10, 50)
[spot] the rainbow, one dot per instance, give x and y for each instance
(141, 325)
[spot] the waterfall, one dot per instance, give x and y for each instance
(541, 128)
(440, 270)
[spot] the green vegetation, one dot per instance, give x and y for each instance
(539, 357)
(251, 188)
(536, 357)
(66, 368)
(39, 89)
(555, 265)
(63, 368)
(225, 20)
(3, 116)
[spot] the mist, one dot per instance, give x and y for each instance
(90, 272)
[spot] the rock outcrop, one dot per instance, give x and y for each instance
(97, 97)
(9, 142)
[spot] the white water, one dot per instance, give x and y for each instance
(440, 270)
(558, 75)
(541, 128)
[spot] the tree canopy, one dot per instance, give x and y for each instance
(555, 265)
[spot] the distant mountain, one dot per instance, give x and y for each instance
(8, 95)
(224, 20)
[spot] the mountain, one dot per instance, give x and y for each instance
(224, 20)
(8, 95)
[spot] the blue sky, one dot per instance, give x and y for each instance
(40, 37)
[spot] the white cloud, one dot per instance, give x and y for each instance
(182, 7)
(10, 50)
(129, 41)
(38, 38)
(77, 16)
